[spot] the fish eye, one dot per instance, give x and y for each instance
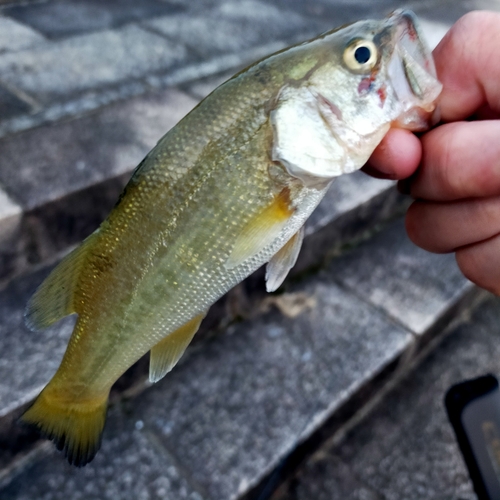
(360, 55)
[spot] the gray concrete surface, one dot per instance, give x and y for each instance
(85, 91)
(57, 71)
(16, 36)
(381, 270)
(47, 163)
(131, 465)
(242, 400)
(64, 18)
(233, 27)
(78, 55)
(406, 448)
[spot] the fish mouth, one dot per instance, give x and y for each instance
(412, 73)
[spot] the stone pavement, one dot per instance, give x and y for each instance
(241, 401)
(406, 448)
(86, 89)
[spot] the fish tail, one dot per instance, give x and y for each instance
(74, 426)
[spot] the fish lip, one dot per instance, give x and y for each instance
(412, 73)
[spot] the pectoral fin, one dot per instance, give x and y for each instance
(165, 355)
(281, 263)
(262, 230)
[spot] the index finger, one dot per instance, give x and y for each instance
(468, 65)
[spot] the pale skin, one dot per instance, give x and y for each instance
(453, 171)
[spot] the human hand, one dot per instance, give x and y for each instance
(455, 168)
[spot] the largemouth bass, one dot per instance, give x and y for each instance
(227, 190)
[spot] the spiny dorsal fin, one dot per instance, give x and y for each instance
(262, 230)
(281, 263)
(54, 297)
(165, 355)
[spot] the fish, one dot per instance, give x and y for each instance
(225, 191)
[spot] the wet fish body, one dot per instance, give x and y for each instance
(225, 191)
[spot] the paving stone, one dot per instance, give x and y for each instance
(347, 192)
(10, 225)
(413, 286)
(28, 359)
(47, 163)
(15, 36)
(233, 26)
(57, 19)
(129, 466)
(236, 407)
(57, 71)
(407, 448)
(354, 204)
(338, 12)
(10, 216)
(325, 477)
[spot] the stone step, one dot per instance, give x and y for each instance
(406, 447)
(72, 57)
(241, 401)
(222, 428)
(61, 59)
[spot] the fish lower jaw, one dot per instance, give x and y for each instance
(418, 118)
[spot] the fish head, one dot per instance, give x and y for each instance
(368, 77)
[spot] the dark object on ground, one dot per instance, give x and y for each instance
(474, 411)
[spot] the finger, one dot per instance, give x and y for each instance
(444, 227)
(468, 66)
(477, 264)
(459, 160)
(396, 157)
(485, 113)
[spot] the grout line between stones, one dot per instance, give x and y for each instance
(23, 96)
(154, 31)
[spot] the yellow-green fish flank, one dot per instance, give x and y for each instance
(226, 190)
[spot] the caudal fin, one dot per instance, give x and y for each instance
(75, 427)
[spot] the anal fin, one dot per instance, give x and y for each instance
(165, 355)
(281, 263)
(262, 230)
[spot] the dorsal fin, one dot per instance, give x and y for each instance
(54, 297)
(165, 355)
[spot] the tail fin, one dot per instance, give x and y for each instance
(75, 427)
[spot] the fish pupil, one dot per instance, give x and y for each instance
(362, 55)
